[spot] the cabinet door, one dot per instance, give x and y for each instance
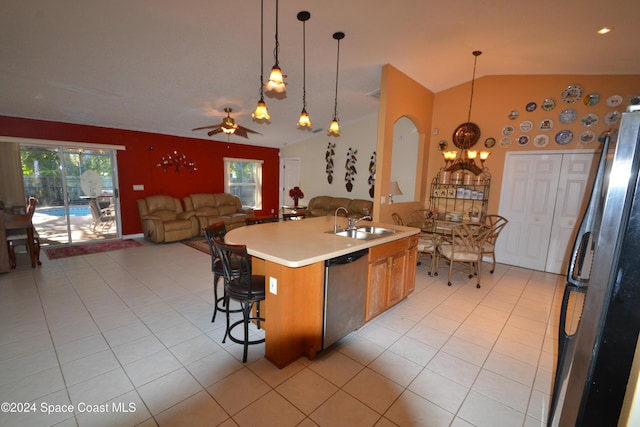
(397, 277)
(377, 288)
(410, 285)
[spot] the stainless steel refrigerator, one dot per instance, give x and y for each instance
(600, 313)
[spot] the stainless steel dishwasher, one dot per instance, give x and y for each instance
(345, 290)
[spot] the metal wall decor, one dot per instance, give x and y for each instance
(329, 159)
(350, 166)
(372, 175)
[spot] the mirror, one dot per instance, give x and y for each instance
(404, 163)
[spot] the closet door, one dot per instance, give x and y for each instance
(527, 200)
(576, 174)
(543, 199)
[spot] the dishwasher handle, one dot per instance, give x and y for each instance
(346, 259)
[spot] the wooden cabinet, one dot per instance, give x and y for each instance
(391, 275)
(460, 192)
(411, 266)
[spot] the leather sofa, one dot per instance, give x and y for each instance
(212, 208)
(327, 205)
(164, 220)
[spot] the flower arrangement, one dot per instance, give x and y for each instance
(296, 193)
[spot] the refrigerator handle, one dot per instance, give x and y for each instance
(580, 269)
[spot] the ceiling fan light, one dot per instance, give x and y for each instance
(334, 128)
(276, 80)
(228, 130)
(304, 121)
(261, 112)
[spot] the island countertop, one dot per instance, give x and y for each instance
(304, 242)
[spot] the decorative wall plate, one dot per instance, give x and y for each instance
(526, 126)
(466, 135)
(634, 100)
(591, 99)
(564, 137)
(614, 100)
(548, 104)
(541, 141)
(571, 94)
(545, 125)
(523, 140)
(567, 116)
(507, 130)
(612, 118)
(490, 142)
(531, 107)
(513, 115)
(505, 142)
(587, 136)
(589, 120)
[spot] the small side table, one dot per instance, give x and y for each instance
(293, 209)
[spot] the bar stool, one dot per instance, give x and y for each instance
(243, 286)
(217, 230)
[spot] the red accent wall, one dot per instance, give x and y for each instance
(137, 164)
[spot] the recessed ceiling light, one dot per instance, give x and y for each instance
(604, 30)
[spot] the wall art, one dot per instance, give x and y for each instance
(329, 158)
(372, 175)
(350, 166)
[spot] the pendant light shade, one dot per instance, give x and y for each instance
(261, 113)
(276, 79)
(334, 128)
(304, 122)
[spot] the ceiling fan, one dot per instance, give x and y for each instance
(228, 126)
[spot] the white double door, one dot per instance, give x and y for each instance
(543, 197)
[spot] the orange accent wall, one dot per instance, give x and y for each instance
(137, 164)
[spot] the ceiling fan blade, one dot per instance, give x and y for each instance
(240, 131)
(215, 131)
(206, 127)
(250, 131)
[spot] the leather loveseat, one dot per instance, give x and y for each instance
(164, 220)
(211, 208)
(327, 205)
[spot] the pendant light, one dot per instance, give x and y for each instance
(276, 79)
(304, 122)
(464, 137)
(334, 128)
(261, 113)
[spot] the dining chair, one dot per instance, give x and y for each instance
(243, 286)
(496, 223)
(20, 237)
(464, 246)
(397, 219)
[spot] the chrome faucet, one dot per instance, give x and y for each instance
(335, 218)
(353, 221)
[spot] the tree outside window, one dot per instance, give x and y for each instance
(243, 178)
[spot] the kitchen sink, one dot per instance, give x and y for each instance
(376, 230)
(364, 233)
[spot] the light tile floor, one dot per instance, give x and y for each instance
(125, 337)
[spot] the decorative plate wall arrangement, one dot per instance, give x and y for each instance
(564, 137)
(587, 136)
(571, 94)
(548, 104)
(541, 141)
(568, 116)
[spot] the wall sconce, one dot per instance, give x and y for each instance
(394, 191)
(177, 161)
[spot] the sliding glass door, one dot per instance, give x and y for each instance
(76, 190)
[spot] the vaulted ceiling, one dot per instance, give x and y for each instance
(170, 66)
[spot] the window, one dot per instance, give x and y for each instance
(243, 178)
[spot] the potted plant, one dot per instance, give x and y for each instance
(296, 193)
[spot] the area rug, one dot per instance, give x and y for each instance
(199, 244)
(66, 251)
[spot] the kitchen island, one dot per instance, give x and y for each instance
(291, 255)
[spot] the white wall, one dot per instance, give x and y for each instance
(361, 135)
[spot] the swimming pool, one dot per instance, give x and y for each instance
(73, 211)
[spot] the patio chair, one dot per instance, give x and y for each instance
(102, 218)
